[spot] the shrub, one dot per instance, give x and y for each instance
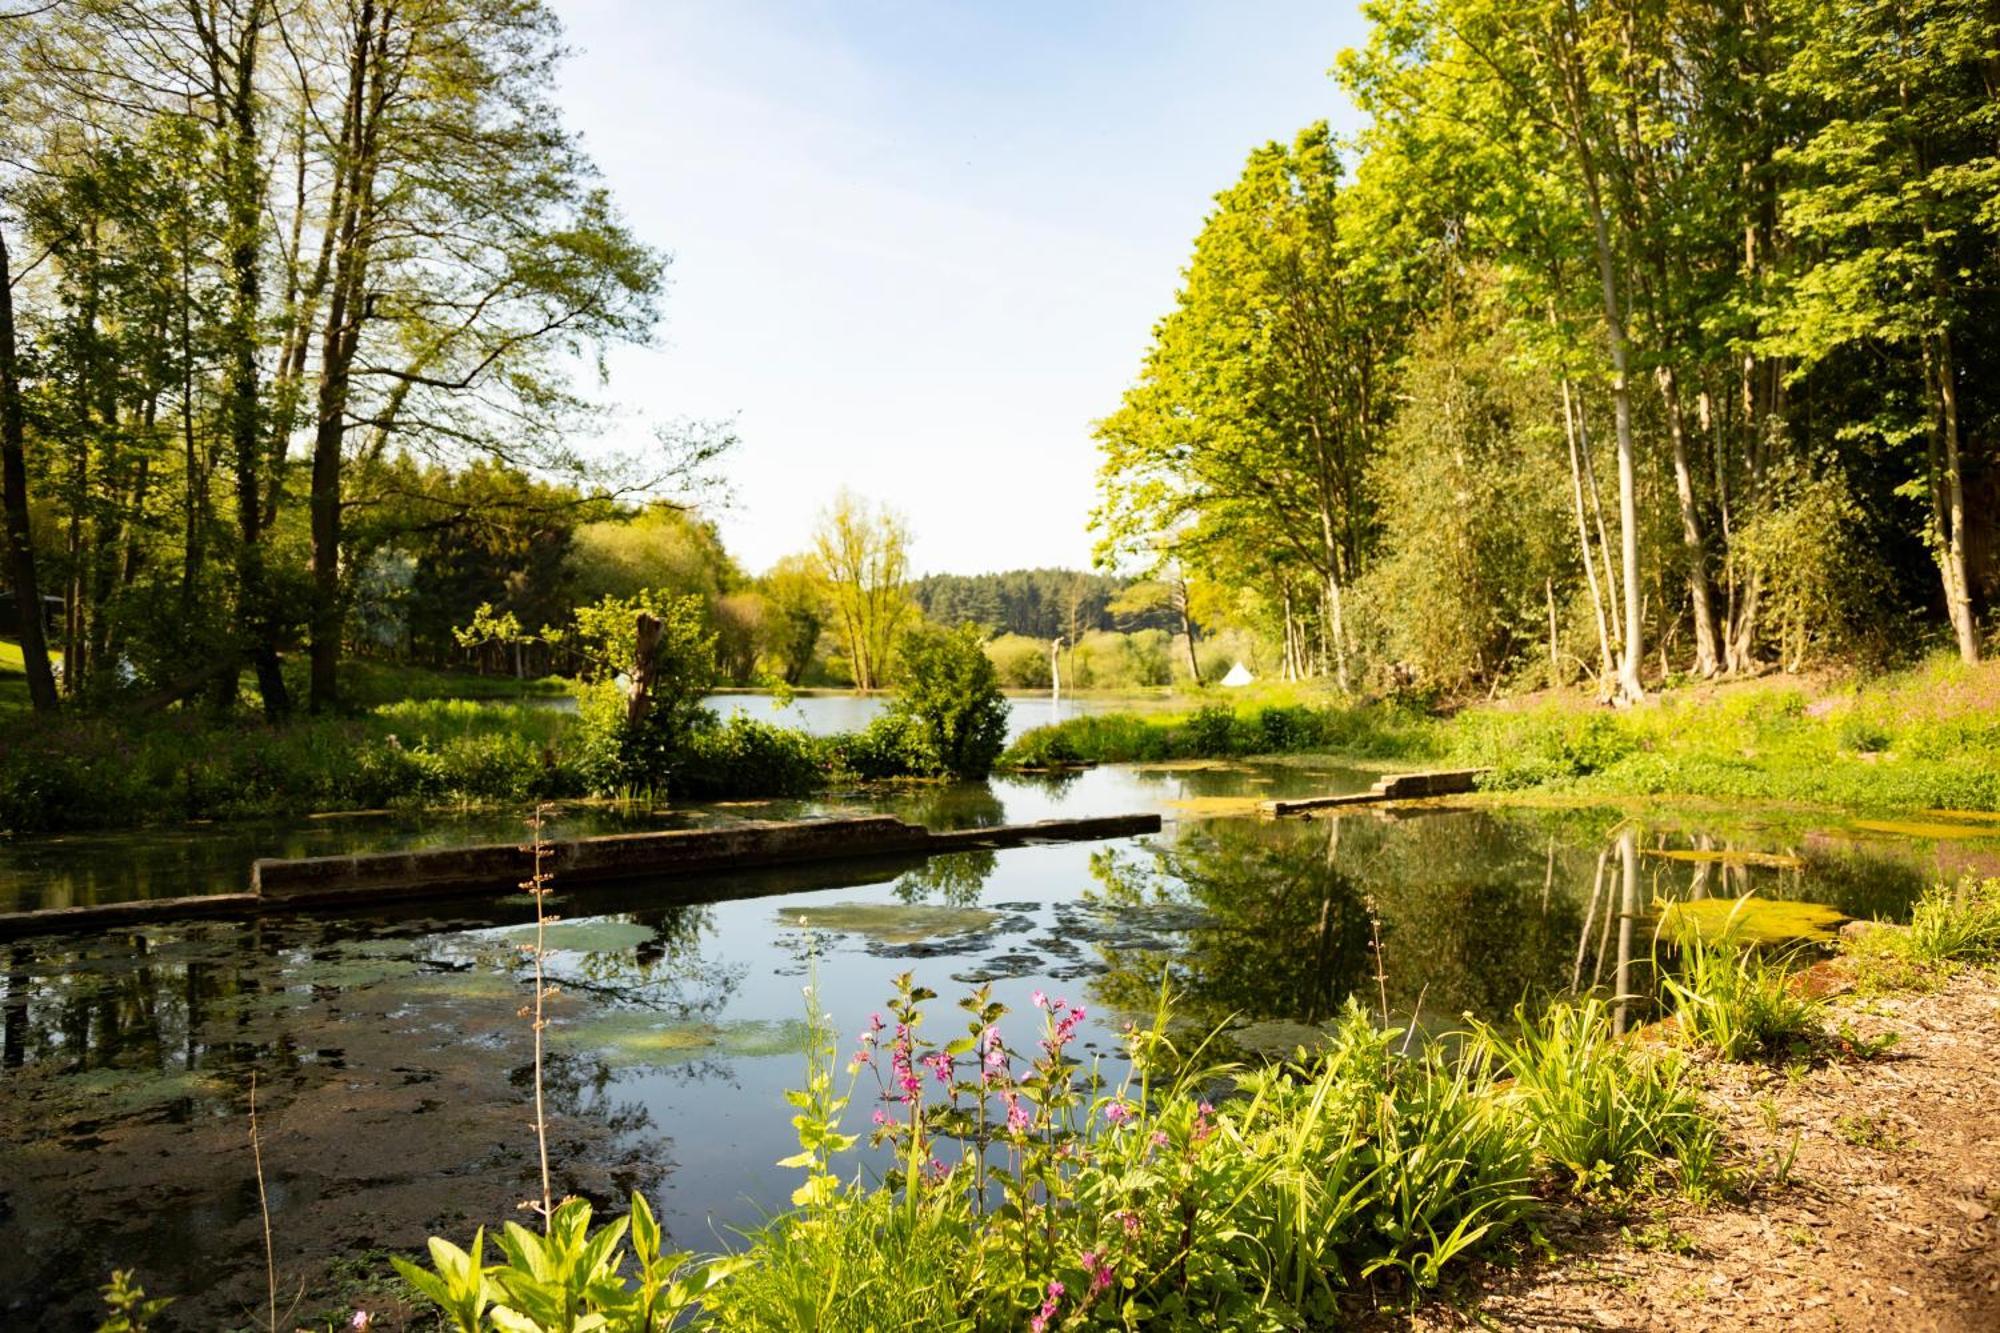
(949, 715)
(744, 757)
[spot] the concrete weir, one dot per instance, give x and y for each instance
(1395, 787)
(333, 883)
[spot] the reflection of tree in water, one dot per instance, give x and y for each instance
(178, 999)
(1053, 784)
(1283, 932)
(1480, 913)
(945, 805)
(665, 973)
(579, 1086)
(954, 879)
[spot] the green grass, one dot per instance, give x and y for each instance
(1927, 739)
(367, 683)
(13, 679)
(1738, 1000)
(1952, 925)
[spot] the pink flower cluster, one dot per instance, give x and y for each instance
(1040, 1323)
(908, 1082)
(993, 1068)
(866, 1054)
(1063, 1025)
(1204, 1122)
(1097, 1268)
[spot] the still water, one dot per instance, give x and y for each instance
(391, 1069)
(824, 714)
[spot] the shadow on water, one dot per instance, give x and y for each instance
(392, 1066)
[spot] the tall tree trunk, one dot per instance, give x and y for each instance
(258, 612)
(1576, 98)
(1701, 590)
(1605, 666)
(345, 311)
(1181, 601)
(1948, 501)
(14, 500)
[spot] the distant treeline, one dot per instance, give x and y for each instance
(1038, 603)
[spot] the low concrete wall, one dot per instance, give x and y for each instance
(442, 872)
(375, 878)
(1395, 787)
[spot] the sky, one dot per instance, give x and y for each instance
(919, 248)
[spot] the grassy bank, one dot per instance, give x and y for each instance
(1924, 739)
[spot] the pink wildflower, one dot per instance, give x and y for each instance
(1039, 1000)
(1118, 1113)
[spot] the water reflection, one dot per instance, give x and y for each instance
(1278, 929)
(1477, 912)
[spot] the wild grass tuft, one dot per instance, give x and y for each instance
(1604, 1112)
(1740, 1001)
(1950, 925)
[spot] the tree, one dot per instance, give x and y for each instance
(797, 597)
(469, 253)
(1264, 392)
(949, 708)
(861, 553)
(21, 578)
(1894, 191)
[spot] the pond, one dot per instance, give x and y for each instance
(824, 714)
(391, 1070)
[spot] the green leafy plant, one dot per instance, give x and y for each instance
(1740, 1001)
(132, 1311)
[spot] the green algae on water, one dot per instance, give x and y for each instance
(588, 935)
(1917, 828)
(1751, 920)
(636, 1038)
(889, 923)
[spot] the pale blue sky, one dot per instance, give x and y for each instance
(919, 248)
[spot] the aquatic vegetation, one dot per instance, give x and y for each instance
(1216, 807)
(1757, 921)
(627, 1038)
(1920, 828)
(1727, 857)
(890, 923)
(1738, 1000)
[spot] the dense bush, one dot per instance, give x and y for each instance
(948, 715)
(1374, 731)
(744, 757)
(98, 772)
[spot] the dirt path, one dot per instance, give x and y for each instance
(1886, 1220)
